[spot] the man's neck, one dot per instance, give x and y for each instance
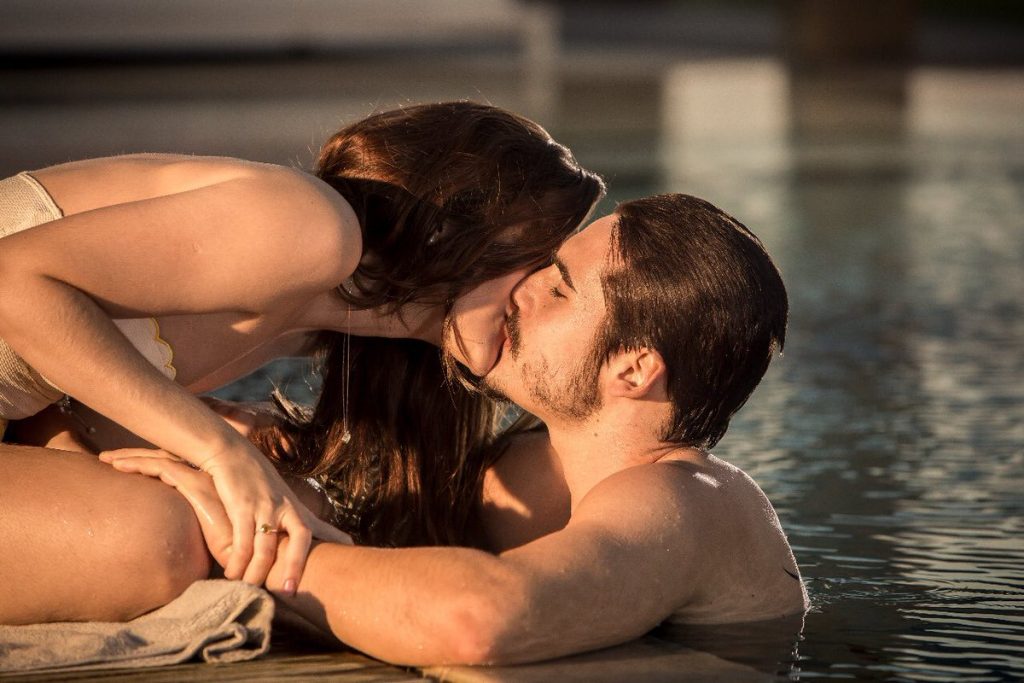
(605, 443)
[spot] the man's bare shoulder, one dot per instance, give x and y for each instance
(669, 497)
(716, 518)
(696, 485)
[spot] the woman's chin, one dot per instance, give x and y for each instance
(497, 359)
(481, 362)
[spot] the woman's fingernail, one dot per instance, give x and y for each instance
(289, 586)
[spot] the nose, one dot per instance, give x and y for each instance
(495, 295)
(505, 286)
(523, 294)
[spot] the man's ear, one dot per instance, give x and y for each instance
(637, 373)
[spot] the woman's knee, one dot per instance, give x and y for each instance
(168, 544)
(84, 542)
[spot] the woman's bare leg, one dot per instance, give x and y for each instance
(81, 541)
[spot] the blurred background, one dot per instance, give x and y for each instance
(626, 84)
(876, 146)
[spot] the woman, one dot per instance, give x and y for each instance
(133, 283)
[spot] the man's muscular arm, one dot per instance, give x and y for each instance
(615, 571)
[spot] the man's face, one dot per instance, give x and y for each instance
(548, 364)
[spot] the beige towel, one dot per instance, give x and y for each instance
(217, 620)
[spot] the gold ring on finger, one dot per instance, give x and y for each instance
(267, 529)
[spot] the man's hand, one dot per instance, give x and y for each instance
(200, 490)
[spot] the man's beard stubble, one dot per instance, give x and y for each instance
(575, 400)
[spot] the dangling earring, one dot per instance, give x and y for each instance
(346, 357)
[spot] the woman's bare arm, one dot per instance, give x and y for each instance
(227, 246)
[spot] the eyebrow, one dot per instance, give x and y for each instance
(560, 264)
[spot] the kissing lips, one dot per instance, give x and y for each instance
(493, 349)
(501, 342)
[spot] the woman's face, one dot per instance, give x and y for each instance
(478, 320)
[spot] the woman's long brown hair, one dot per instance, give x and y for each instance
(435, 187)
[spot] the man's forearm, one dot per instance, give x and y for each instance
(578, 589)
(410, 605)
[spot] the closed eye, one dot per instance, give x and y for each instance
(556, 294)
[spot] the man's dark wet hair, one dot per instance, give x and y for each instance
(693, 283)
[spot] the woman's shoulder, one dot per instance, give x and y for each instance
(80, 186)
(160, 173)
(311, 202)
(286, 209)
(104, 181)
(88, 184)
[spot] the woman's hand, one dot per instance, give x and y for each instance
(259, 505)
(243, 418)
(241, 542)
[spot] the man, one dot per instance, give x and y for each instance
(635, 348)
